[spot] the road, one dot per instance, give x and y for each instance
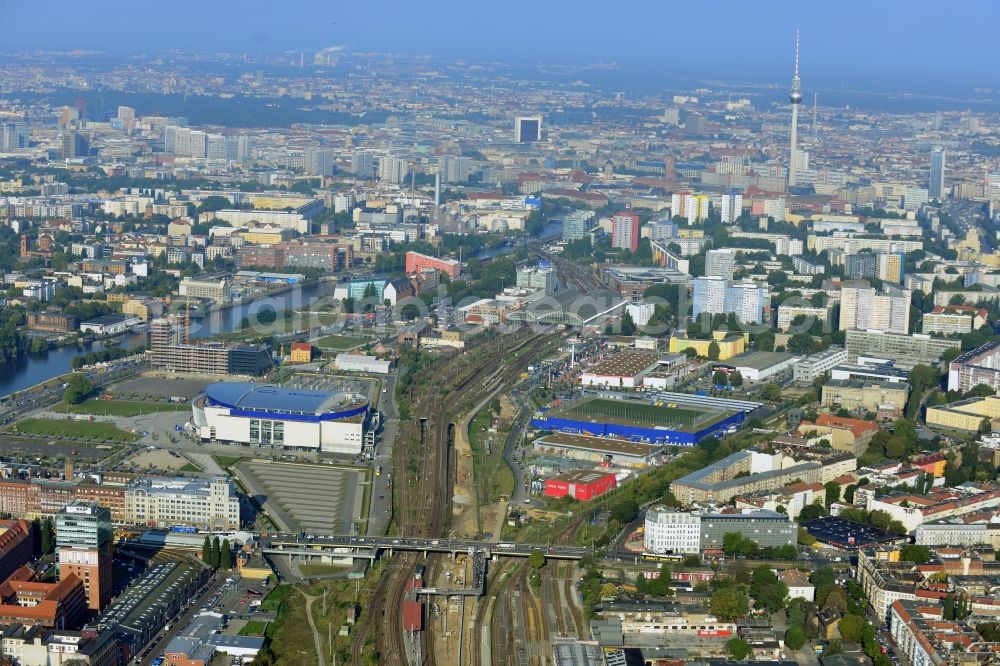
(309, 544)
(380, 506)
(20, 403)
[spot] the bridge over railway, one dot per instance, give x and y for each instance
(368, 547)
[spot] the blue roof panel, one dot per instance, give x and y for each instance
(247, 395)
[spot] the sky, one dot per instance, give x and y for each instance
(898, 44)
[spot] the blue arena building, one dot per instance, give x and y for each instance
(263, 415)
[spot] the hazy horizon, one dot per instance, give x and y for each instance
(870, 46)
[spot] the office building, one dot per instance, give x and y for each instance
(667, 531)
(952, 319)
(806, 370)
(625, 229)
(662, 231)
(709, 295)
(211, 287)
(393, 169)
(84, 540)
(456, 169)
(215, 147)
(527, 129)
(14, 136)
(906, 350)
(731, 207)
(716, 295)
(978, 366)
(75, 145)
(577, 224)
(935, 185)
(170, 351)
(208, 504)
(321, 162)
(788, 314)
(417, 262)
(239, 148)
(535, 278)
(692, 207)
(891, 267)
(878, 397)
(363, 165)
(863, 308)
(860, 266)
(720, 263)
(768, 529)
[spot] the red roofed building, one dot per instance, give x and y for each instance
(17, 546)
(843, 434)
(416, 262)
(933, 463)
(948, 319)
(61, 605)
(301, 352)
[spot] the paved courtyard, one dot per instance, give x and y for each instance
(320, 499)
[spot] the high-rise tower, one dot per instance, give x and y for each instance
(795, 98)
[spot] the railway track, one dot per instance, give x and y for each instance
(425, 503)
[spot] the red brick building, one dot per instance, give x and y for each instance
(416, 262)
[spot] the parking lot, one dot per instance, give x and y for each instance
(323, 499)
(847, 534)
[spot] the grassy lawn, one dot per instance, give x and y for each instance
(190, 467)
(340, 342)
(320, 569)
(254, 628)
(291, 637)
(76, 429)
(121, 407)
(227, 461)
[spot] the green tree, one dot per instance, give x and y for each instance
(536, 560)
(216, 553)
(206, 551)
(47, 537)
(766, 590)
(738, 648)
(736, 379)
(78, 390)
(729, 603)
(832, 492)
(713, 351)
(226, 555)
(795, 638)
(719, 378)
(409, 312)
(771, 393)
(625, 510)
(915, 553)
(628, 325)
(851, 626)
(800, 344)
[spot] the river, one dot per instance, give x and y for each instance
(551, 230)
(35, 368)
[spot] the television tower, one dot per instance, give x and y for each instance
(795, 98)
